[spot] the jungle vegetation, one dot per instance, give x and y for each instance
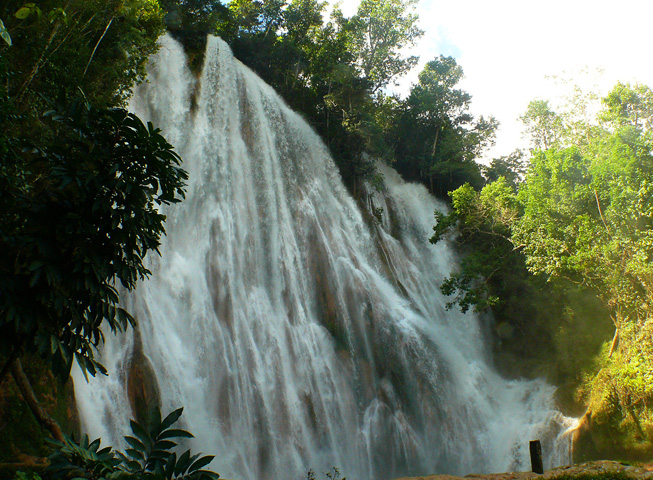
(556, 240)
(574, 225)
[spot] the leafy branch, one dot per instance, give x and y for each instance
(150, 456)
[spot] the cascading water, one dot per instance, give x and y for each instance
(296, 334)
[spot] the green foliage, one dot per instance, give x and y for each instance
(628, 105)
(483, 220)
(77, 215)
(437, 137)
(376, 35)
(98, 46)
(26, 476)
(588, 211)
(542, 124)
(618, 391)
(190, 21)
(588, 217)
(596, 476)
(558, 204)
(150, 456)
(4, 33)
(582, 214)
(512, 167)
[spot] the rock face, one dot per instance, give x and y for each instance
(601, 467)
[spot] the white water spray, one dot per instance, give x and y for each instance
(296, 335)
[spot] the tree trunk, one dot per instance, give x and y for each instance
(42, 417)
(435, 141)
(615, 341)
(97, 44)
(12, 356)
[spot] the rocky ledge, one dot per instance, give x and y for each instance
(603, 469)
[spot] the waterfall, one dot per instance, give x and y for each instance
(298, 332)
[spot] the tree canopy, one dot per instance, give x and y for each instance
(97, 46)
(438, 139)
(77, 215)
(583, 214)
(82, 185)
(376, 34)
(82, 180)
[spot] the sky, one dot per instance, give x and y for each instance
(508, 48)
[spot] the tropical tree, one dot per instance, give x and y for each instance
(483, 218)
(376, 37)
(596, 204)
(77, 216)
(512, 167)
(151, 455)
(438, 138)
(303, 18)
(82, 187)
(629, 105)
(435, 101)
(97, 46)
(543, 125)
(583, 214)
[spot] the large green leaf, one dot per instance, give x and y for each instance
(171, 419)
(174, 433)
(201, 462)
(23, 13)
(141, 433)
(4, 33)
(135, 443)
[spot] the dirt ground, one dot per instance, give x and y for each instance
(597, 467)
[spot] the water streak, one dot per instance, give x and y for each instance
(298, 333)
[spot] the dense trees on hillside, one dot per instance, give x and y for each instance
(60, 47)
(82, 181)
(583, 214)
(438, 140)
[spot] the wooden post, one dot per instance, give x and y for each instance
(536, 456)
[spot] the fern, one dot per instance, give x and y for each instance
(150, 456)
